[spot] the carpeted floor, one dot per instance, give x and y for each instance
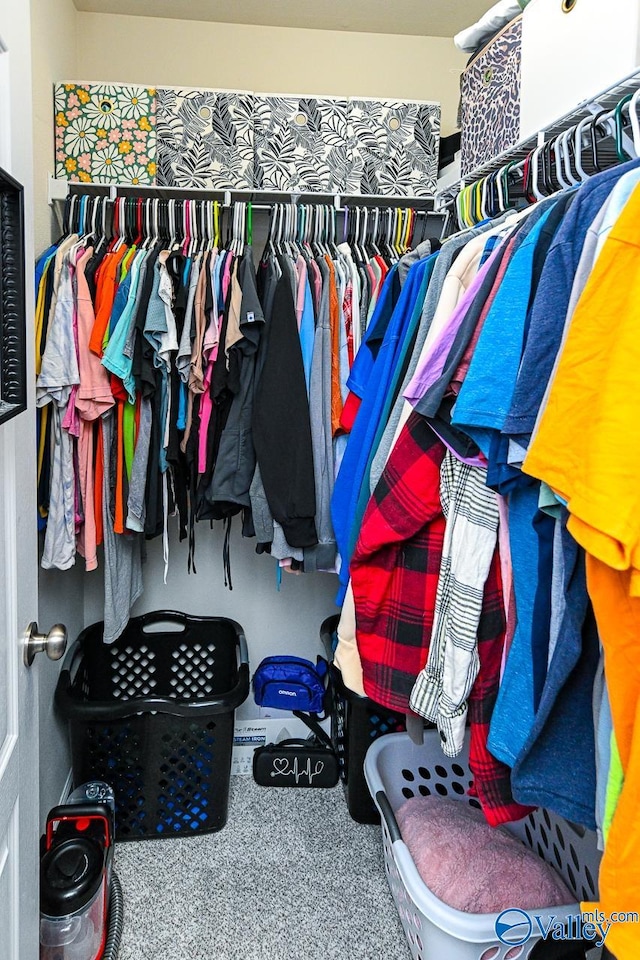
(290, 877)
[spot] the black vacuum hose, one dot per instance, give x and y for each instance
(116, 919)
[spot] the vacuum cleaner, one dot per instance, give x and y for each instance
(81, 903)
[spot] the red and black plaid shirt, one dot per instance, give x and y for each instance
(395, 567)
(492, 778)
(394, 577)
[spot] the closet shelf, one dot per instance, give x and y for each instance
(60, 188)
(606, 100)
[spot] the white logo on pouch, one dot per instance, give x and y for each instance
(282, 767)
(287, 693)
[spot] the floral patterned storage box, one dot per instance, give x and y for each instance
(105, 133)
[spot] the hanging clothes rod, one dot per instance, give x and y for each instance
(200, 220)
(516, 157)
(58, 190)
(598, 141)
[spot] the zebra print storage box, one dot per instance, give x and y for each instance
(490, 113)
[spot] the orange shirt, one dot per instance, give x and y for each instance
(334, 316)
(106, 288)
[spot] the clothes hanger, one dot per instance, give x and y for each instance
(326, 229)
(470, 205)
(171, 210)
(376, 234)
(153, 221)
(93, 216)
(398, 233)
(496, 198)
(137, 211)
(364, 239)
(345, 225)
(502, 189)
(212, 218)
(482, 198)
(605, 149)
(460, 207)
(120, 223)
(567, 154)
(535, 172)
(187, 231)
(231, 216)
(73, 213)
(551, 181)
(623, 154)
(388, 247)
(146, 212)
(545, 182)
(194, 245)
(635, 122)
(290, 216)
(409, 229)
(66, 215)
(487, 198)
(556, 153)
(476, 211)
(513, 167)
(408, 220)
(356, 234)
(577, 140)
(203, 226)
(333, 247)
(237, 228)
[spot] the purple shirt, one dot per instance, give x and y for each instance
(432, 364)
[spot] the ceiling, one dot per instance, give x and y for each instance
(435, 18)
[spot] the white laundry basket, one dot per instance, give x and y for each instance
(397, 769)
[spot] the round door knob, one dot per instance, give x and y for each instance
(53, 643)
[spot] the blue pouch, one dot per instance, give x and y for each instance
(290, 683)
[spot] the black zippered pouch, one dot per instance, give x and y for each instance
(298, 763)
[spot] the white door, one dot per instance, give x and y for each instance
(19, 815)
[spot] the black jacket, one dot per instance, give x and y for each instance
(281, 426)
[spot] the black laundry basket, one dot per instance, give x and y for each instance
(152, 715)
(356, 722)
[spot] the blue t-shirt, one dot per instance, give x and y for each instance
(485, 395)
(380, 373)
(368, 353)
(307, 334)
(562, 738)
(552, 301)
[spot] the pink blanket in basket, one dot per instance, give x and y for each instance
(471, 866)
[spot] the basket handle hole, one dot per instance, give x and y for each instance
(490, 954)
(164, 626)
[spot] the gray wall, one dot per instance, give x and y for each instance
(287, 621)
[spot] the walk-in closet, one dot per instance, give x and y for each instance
(320, 611)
